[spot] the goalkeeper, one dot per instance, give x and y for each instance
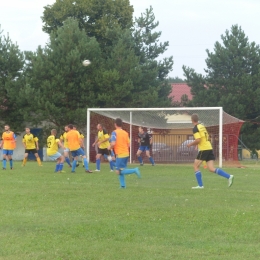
(145, 141)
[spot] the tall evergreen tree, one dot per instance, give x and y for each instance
(59, 87)
(11, 80)
(232, 79)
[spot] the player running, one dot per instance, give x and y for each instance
(8, 144)
(53, 145)
(103, 143)
(201, 135)
(75, 144)
(120, 143)
(31, 145)
(145, 141)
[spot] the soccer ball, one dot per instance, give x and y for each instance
(86, 62)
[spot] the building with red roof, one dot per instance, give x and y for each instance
(178, 90)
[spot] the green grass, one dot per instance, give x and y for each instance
(86, 216)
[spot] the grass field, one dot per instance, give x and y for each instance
(86, 216)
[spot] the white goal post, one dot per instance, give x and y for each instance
(163, 118)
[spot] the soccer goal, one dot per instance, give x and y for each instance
(171, 131)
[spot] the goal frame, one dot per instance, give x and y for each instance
(220, 109)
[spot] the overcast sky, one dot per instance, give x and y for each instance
(190, 26)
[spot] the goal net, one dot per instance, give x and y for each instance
(171, 131)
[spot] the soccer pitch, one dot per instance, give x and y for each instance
(86, 216)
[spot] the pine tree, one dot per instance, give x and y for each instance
(11, 80)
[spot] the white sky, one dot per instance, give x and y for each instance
(190, 26)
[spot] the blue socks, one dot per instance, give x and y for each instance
(74, 164)
(112, 165)
(199, 178)
(151, 160)
(4, 163)
(67, 161)
(60, 167)
(121, 178)
(98, 164)
(222, 173)
(140, 159)
(11, 163)
(128, 171)
(86, 163)
(57, 167)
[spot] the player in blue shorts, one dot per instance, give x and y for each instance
(145, 141)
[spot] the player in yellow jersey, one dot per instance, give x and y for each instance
(31, 145)
(63, 138)
(8, 144)
(201, 137)
(53, 145)
(103, 143)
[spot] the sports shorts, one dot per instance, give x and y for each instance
(103, 151)
(31, 151)
(121, 163)
(78, 152)
(55, 156)
(8, 152)
(206, 155)
(144, 148)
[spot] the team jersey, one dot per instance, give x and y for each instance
(63, 137)
(52, 145)
(9, 139)
(73, 138)
(200, 131)
(102, 135)
(144, 139)
(29, 141)
(122, 142)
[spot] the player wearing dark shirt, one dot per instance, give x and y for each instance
(145, 141)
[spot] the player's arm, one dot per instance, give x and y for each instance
(36, 142)
(150, 139)
(112, 141)
(1, 143)
(96, 141)
(24, 142)
(194, 143)
(60, 144)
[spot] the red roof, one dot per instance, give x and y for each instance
(180, 89)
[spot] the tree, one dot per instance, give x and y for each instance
(232, 78)
(98, 18)
(148, 49)
(176, 80)
(59, 88)
(11, 80)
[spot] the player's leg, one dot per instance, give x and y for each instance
(196, 166)
(4, 159)
(61, 163)
(139, 157)
(81, 152)
(38, 159)
(26, 152)
(125, 170)
(149, 156)
(75, 159)
(67, 157)
(10, 153)
(98, 160)
(220, 172)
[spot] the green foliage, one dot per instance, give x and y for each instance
(59, 87)
(176, 80)
(98, 18)
(50, 216)
(232, 78)
(11, 80)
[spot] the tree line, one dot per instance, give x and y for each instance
(51, 85)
